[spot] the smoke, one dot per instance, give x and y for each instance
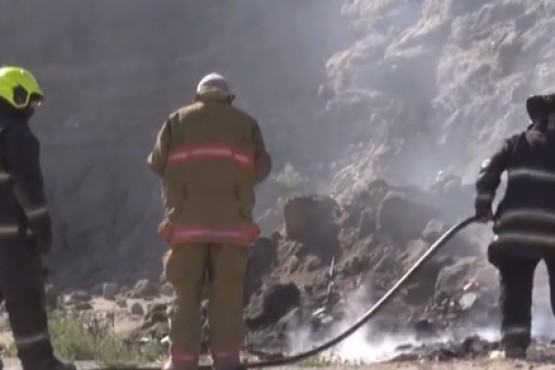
(444, 84)
(371, 344)
(433, 86)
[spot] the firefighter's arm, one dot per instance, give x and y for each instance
(23, 163)
(159, 155)
(489, 178)
(262, 159)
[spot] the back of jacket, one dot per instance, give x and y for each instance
(210, 155)
(526, 214)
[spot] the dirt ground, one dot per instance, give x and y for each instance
(463, 365)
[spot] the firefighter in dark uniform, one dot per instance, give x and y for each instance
(524, 222)
(25, 231)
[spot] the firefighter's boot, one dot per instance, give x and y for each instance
(51, 363)
(174, 363)
(515, 352)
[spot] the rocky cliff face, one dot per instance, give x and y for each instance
(353, 89)
(435, 85)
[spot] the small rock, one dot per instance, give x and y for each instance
(52, 296)
(109, 291)
(137, 309)
(478, 346)
(156, 313)
(167, 289)
(82, 306)
(144, 288)
(467, 300)
(79, 296)
(404, 347)
(497, 355)
(121, 302)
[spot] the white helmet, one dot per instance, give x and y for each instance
(214, 81)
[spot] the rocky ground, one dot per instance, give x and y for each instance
(465, 365)
(330, 261)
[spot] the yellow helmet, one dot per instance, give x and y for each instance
(19, 87)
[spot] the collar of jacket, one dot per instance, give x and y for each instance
(212, 95)
(540, 126)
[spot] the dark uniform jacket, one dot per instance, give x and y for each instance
(23, 207)
(525, 218)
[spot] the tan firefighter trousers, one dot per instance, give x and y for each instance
(186, 267)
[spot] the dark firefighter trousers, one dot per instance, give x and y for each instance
(22, 290)
(516, 275)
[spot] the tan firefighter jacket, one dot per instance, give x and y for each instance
(210, 155)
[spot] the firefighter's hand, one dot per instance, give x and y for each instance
(483, 213)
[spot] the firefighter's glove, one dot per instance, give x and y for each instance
(483, 211)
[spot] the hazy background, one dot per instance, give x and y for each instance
(361, 88)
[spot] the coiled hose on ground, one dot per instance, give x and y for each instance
(364, 318)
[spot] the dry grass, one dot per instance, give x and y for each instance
(78, 339)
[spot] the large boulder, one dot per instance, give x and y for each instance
(313, 221)
(144, 288)
(401, 218)
(271, 304)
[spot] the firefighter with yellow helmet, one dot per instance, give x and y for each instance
(25, 228)
(210, 156)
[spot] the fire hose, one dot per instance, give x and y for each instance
(434, 248)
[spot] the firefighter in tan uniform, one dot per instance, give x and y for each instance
(210, 156)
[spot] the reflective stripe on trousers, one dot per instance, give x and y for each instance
(223, 354)
(241, 235)
(32, 339)
(516, 331)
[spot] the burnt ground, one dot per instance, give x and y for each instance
(542, 361)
